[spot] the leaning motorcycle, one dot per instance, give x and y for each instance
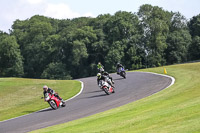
(53, 101)
(107, 88)
(122, 72)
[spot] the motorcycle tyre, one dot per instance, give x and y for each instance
(53, 105)
(106, 91)
(123, 74)
(63, 104)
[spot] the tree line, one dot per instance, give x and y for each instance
(43, 47)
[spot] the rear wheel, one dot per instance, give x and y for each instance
(52, 103)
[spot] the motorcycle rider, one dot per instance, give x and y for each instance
(119, 65)
(104, 77)
(51, 91)
(108, 75)
(100, 67)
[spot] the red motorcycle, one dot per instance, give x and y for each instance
(108, 89)
(53, 101)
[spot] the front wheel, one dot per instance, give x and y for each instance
(53, 105)
(63, 104)
(113, 90)
(123, 74)
(106, 90)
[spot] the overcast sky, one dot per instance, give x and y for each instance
(63, 9)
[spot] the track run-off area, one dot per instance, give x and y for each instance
(91, 100)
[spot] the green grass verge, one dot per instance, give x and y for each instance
(172, 110)
(19, 96)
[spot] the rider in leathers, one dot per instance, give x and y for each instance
(100, 67)
(105, 77)
(51, 91)
(119, 66)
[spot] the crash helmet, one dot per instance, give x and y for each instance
(45, 87)
(99, 75)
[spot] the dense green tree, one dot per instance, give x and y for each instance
(79, 51)
(99, 47)
(178, 40)
(11, 63)
(194, 48)
(194, 26)
(178, 43)
(116, 52)
(155, 22)
(55, 71)
(31, 35)
(122, 32)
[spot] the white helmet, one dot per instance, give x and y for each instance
(45, 87)
(99, 75)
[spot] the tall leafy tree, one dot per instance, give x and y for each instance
(99, 47)
(31, 35)
(178, 40)
(122, 32)
(11, 63)
(178, 43)
(194, 49)
(194, 26)
(155, 22)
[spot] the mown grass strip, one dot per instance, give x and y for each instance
(172, 110)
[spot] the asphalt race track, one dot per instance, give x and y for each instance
(92, 100)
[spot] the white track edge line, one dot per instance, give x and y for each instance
(82, 86)
(172, 78)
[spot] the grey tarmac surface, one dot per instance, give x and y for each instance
(92, 100)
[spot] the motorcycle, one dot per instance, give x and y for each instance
(122, 72)
(53, 101)
(107, 88)
(101, 70)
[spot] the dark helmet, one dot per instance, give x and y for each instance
(106, 73)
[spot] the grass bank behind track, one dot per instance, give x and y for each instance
(19, 96)
(172, 110)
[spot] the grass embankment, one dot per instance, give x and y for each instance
(19, 96)
(172, 110)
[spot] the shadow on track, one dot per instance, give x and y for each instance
(118, 78)
(45, 110)
(94, 91)
(97, 96)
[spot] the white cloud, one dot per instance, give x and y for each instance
(60, 11)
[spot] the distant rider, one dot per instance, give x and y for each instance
(119, 65)
(100, 67)
(51, 91)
